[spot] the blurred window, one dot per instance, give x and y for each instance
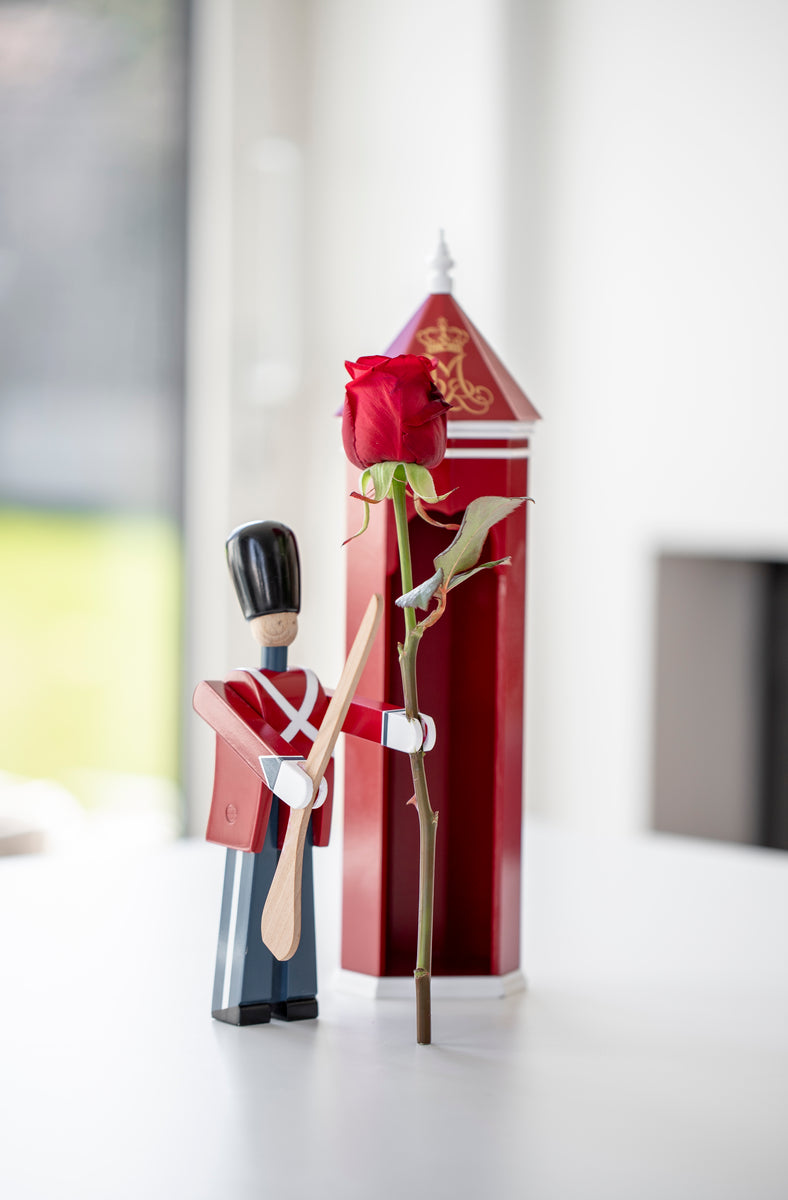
(92, 244)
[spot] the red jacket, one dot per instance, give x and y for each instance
(268, 712)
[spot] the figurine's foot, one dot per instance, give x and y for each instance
(244, 1014)
(295, 1010)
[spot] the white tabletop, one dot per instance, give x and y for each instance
(648, 1058)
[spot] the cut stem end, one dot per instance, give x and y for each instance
(423, 1008)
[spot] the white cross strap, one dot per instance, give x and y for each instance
(299, 718)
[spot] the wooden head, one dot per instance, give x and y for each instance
(274, 629)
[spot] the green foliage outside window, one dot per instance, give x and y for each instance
(88, 662)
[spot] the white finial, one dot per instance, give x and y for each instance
(440, 265)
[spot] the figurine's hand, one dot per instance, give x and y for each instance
(293, 786)
(407, 734)
(429, 732)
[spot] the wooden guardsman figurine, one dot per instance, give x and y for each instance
(266, 722)
(471, 670)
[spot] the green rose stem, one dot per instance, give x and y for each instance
(428, 819)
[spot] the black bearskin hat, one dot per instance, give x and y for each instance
(263, 561)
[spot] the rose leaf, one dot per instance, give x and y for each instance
(478, 518)
(420, 596)
(458, 579)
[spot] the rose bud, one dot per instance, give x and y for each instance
(394, 412)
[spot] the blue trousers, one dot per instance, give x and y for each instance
(246, 971)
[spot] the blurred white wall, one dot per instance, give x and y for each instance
(613, 179)
(661, 370)
(330, 143)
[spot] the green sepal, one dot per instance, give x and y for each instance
(420, 482)
(364, 523)
(381, 474)
(418, 478)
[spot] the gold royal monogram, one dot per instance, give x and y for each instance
(446, 343)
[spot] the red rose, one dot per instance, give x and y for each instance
(393, 412)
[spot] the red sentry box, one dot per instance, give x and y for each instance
(471, 681)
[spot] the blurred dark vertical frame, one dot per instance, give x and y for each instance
(773, 830)
(93, 235)
(721, 699)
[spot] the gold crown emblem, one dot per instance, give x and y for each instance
(442, 338)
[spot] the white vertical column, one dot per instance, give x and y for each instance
(208, 378)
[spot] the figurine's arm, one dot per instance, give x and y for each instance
(263, 750)
(390, 726)
(238, 724)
